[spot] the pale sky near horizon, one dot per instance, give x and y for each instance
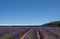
(29, 11)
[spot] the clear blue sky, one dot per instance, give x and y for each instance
(29, 11)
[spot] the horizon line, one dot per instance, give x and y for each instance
(18, 24)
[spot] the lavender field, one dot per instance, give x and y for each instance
(29, 32)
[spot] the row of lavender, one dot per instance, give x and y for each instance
(12, 32)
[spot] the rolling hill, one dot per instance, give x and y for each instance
(52, 24)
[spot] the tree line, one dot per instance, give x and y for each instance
(52, 24)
